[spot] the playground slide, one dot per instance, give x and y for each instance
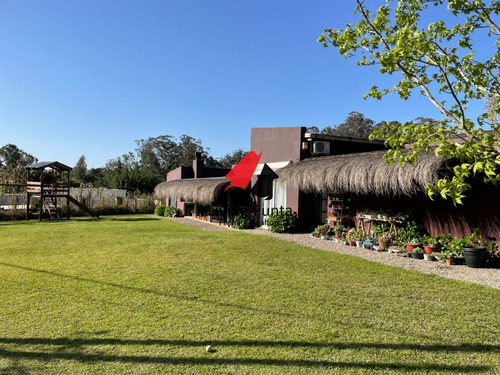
(82, 206)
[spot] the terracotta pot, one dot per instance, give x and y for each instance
(449, 262)
(383, 244)
(352, 243)
(410, 247)
(430, 249)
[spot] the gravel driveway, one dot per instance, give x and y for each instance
(484, 276)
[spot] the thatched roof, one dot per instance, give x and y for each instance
(198, 190)
(362, 173)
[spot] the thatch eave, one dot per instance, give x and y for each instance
(363, 173)
(203, 191)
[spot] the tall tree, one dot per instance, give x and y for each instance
(232, 158)
(12, 163)
(312, 129)
(164, 153)
(12, 157)
(355, 125)
(80, 170)
(438, 60)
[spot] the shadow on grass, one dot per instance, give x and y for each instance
(77, 342)
(62, 344)
(148, 291)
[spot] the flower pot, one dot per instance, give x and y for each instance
(384, 244)
(359, 243)
(428, 257)
(411, 246)
(417, 255)
(430, 249)
(474, 256)
(352, 243)
(449, 262)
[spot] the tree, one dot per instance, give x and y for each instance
(12, 157)
(437, 60)
(312, 129)
(12, 163)
(95, 176)
(80, 170)
(163, 153)
(355, 125)
(232, 158)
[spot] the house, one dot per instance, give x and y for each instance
(339, 180)
(201, 190)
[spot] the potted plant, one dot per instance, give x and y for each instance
(474, 253)
(492, 253)
(449, 257)
(408, 234)
(321, 231)
(440, 256)
(456, 248)
(359, 236)
(385, 240)
(350, 237)
(337, 232)
(412, 244)
(430, 244)
(417, 253)
(396, 250)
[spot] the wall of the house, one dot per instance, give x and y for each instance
(180, 173)
(277, 144)
(285, 144)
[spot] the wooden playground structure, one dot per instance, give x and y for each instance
(50, 187)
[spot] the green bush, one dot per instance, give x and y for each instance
(244, 221)
(408, 233)
(160, 210)
(171, 211)
(282, 222)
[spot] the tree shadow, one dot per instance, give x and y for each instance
(77, 342)
(64, 349)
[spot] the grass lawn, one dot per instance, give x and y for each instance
(144, 295)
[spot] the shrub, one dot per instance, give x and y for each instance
(282, 222)
(408, 233)
(244, 221)
(160, 210)
(171, 211)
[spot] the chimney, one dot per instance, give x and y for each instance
(198, 166)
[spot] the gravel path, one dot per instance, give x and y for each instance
(484, 276)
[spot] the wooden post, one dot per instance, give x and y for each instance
(27, 204)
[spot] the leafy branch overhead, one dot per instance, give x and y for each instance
(442, 61)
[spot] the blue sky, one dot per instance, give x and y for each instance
(90, 77)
